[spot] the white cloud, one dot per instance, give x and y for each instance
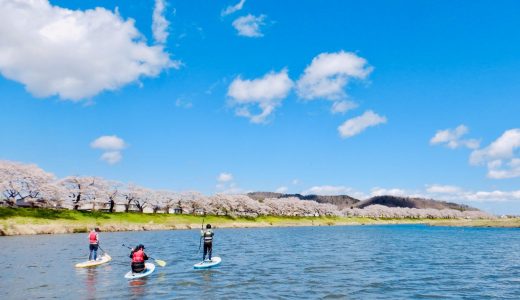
(159, 22)
(108, 142)
(282, 190)
(341, 107)
(72, 53)
(295, 181)
(443, 189)
(452, 138)
(328, 75)
(327, 190)
(183, 103)
(356, 125)
(511, 170)
(249, 25)
(112, 146)
(501, 156)
(440, 192)
(233, 8)
(457, 194)
(377, 191)
(225, 177)
(266, 92)
(112, 157)
(227, 185)
(493, 196)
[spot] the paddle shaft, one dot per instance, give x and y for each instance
(200, 240)
(133, 249)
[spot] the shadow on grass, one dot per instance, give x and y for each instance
(38, 213)
(50, 214)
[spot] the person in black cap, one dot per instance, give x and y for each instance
(138, 258)
(207, 234)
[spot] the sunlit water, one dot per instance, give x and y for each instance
(353, 262)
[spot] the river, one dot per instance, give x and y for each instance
(343, 262)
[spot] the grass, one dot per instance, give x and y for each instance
(34, 221)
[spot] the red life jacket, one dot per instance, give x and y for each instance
(93, 237)
(138, 256)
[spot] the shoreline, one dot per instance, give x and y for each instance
(27, 221)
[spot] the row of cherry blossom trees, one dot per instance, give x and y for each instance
(27, 184)
(381, 211)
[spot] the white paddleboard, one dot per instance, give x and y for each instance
(149, 268)
(215, 261)
(92, 263)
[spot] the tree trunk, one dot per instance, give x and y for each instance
(112, 204)
(127, 205)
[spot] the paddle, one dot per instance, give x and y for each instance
(200, 240)
(99, 246)
(160, 262)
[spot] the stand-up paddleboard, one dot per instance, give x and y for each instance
(92, 263)
(215, 261)
(149, 268)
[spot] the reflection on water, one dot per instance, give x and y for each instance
(358, 262)
(90, 282)
(138, 287)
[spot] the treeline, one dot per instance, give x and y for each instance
(29, 185)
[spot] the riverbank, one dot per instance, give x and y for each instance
(26, 221)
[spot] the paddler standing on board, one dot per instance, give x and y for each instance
(93, 240)
(207, 234)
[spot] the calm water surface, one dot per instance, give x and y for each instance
(353, 262)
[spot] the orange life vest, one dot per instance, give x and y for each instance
(138, 256)
(93, 238)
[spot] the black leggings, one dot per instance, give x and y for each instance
(138, 267)
(208, 248)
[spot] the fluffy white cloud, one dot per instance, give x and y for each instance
(493, 196)
(443, 189)
(227, 185)
(72, 53)
(266, 92)
(282, 190)
(233, 8)
(249, 25)
(159, 22)
(501, 156)
(358, 124)
(452, 138)
(112, 146)
(112, 157)
(108, 142)
(340, 107)
(435, 191)
(327, 190)
(457, 194)
(225, 177)
(377, 191)
(328, 75)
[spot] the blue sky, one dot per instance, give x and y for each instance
(430, 67)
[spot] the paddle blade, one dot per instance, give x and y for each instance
(161, 263)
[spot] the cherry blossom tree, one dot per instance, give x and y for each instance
(22, 182)
(81, 190)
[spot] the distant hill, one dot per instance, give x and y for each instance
(340, 201)
(393, 201)
(343, 201)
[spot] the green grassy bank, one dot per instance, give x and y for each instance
(18, 221)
